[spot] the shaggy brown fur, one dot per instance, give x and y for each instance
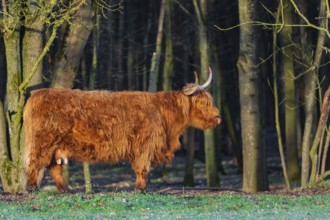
(98, 126)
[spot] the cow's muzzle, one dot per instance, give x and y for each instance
(217, 120)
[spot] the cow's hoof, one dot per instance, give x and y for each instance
(31, 188)
(141, 191)
(64, 189)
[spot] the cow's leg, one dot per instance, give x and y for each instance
(141, 170)
(56, 172)
(40, 176)
(32, 178)
(36, 167)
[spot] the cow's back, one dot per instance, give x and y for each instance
(94, 126)
(49, 113)
(116, 126)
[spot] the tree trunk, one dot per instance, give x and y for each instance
(96, 40)
(276, 101)
(318, 141)
(153, 78)
(4, 155)
(131, 48)
(290, 95)
(11, 163)
(110, 28)
(3, 73)
(67, 66)
(22, 53)
(210, 153)
(189, 164)
(254, 160)
(92, 79)
(119, 77)
(311, 88)
(168, 64)
(310, 98)
(218, 90)
(32, 47)
(12, 177)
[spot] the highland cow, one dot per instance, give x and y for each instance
(142, 128)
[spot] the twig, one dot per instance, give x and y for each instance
(308, 24)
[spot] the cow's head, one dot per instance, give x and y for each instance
(203, 113)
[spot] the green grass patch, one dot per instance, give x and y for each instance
(156, 206)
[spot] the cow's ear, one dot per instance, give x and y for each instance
(190, 89)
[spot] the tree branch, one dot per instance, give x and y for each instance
(318, 135)
(23, 85)
(324, 16)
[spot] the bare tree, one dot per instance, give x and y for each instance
(80, 28)
(24, 54)
(254, 160)
(212, 176)
(168, 63)
(310, 98)
(291, 103)
(154, 69)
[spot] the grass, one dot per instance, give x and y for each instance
(107, 203)
(125, 205)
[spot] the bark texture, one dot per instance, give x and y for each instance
(66, 67)
(254, 160)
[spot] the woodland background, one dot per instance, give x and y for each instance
(269, 59)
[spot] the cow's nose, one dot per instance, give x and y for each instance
(218, 120)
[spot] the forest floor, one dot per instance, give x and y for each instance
(169, 180)
(114, 196)
(120, 178)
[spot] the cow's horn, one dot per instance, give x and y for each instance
(196, 78)
(190, 89)
(208, 82)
